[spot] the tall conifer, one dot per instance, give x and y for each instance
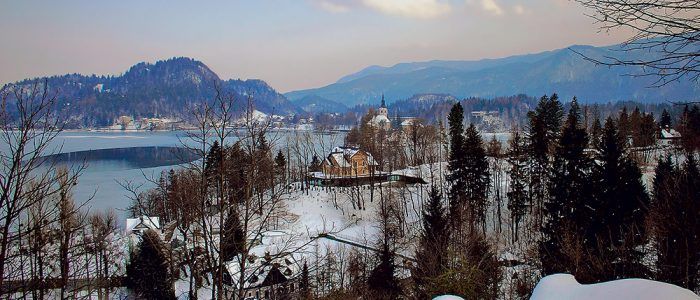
(619, 208)
(569, 194)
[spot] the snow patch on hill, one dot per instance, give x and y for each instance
(565, 286)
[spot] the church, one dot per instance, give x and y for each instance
(381, 120)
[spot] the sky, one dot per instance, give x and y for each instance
(291, 44)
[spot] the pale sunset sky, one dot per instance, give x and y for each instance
(291, 44)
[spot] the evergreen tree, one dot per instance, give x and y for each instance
(213, 159)
(280, 161)
(456, 163)
(619, 208)
(476, 172)
(624, 125)
(689, 127)
(382, 281)
(675, 211)
(315, 164)
(596, 133)
(665, 119)
(518, 193)
(432, 252)
(305, 283)
(147, 273)
(280, 165)
(545, 122)
(569, 187)
(233, 237)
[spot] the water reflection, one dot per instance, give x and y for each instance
(126, 158)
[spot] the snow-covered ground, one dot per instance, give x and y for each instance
(565, 287)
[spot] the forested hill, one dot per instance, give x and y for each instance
(563, 71)
(166, 88)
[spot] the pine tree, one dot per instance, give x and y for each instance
(147, 273)
(280, 161)
(518, 193)
(456, 163)
(624, 125)
(619, 208)
(280, 165)
(382, 281)
(665, 119)
(569, 187)
(233, 237)
(596, 133)
(305, 283)
(545, 122)
(674, 215)
(315, 164)
(213, 159)
(476, 172)
(689, 127)
(432, 252)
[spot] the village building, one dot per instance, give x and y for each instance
(348, 162)
(271, 277)
(137, 226)
(381, 120)
(141, 224)
(669, 136)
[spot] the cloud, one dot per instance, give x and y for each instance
(491, 7)
(421, 9)
(332, 6)
(519, 9)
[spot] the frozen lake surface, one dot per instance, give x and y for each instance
(133, 157)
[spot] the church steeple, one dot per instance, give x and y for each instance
(382, 108)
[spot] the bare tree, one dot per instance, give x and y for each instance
(28, 127)
(668, 28)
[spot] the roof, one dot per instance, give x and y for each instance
(670, 133)
(266, 266)
(343, 155)
(379, 119)
(408, 122)
(142, 222)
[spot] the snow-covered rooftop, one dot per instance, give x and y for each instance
(670, 133)
(379, 120)
(143, 222)
(342, 156)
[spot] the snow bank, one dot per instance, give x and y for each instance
(565, 286)
(448, 297)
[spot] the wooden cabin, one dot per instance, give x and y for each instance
(348, 162)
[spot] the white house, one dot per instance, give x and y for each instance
(669, 136)
(141, 224)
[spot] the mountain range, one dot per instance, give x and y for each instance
(564, 71)
(165, 88)
(169, 87)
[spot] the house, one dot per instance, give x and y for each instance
(272, 277)
(125, 122)
(141, 224)
(269, 273)
(669, 136)
(348, 162)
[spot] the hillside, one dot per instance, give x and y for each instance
(317, 104)
(562, 71)
(165, 88)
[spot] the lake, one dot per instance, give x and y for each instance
(117, 157)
